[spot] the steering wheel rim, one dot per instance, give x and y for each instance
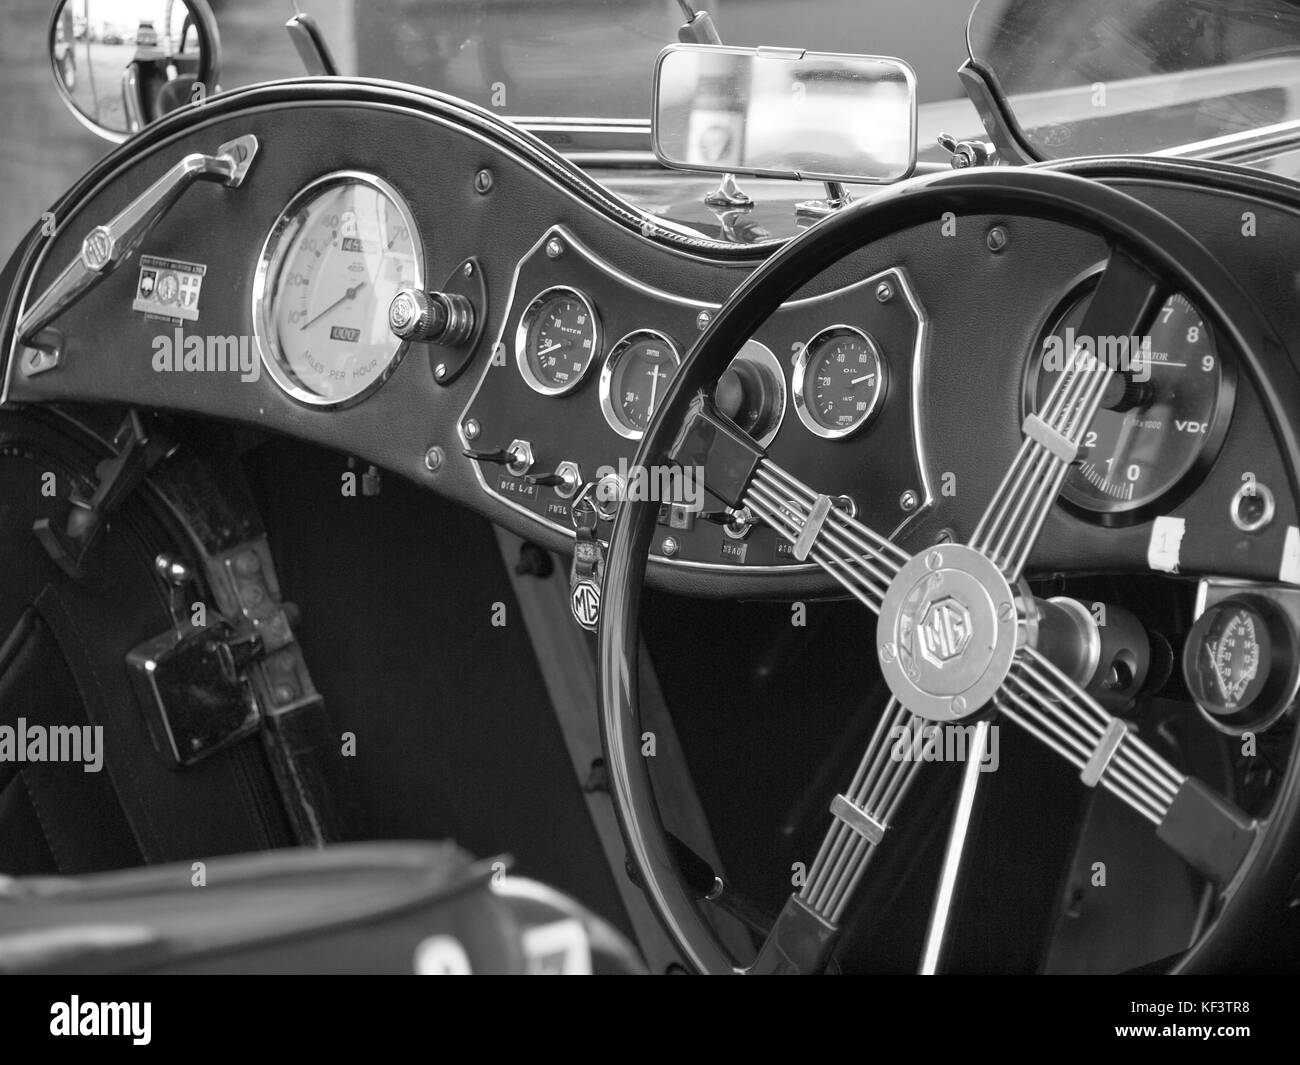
(1126, 223)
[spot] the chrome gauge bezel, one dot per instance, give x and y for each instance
(269, 262)
(526, 320)
(607, 406)
(800, 372)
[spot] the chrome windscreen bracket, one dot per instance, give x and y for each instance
(106, 246)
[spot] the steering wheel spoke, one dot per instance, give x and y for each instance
(1208, 832)
(858, 557)
(738, 471)
(805, 932)
(1123, 302)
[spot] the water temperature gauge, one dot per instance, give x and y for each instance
(557, 339)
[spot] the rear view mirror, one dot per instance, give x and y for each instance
(783, 112)
(121, 64)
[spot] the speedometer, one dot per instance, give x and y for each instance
(1161, 419)
(332, 263)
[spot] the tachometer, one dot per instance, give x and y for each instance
(331, 265)
(557, 339)
(634, 380)
(1163, 415)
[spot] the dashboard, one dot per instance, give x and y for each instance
(426, 288)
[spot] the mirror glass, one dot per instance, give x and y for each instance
(785, 113)
(1098, 77)
(121, 64)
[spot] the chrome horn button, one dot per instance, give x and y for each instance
(948, 632)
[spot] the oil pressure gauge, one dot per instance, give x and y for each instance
(839, 378)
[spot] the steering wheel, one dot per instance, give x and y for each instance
(1000, 672)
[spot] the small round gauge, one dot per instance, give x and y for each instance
(1163, 414)
(1240, 662)
(331, 265)
(839, 378)
(557, 341)
(634, 379)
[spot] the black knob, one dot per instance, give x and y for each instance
(435, 317)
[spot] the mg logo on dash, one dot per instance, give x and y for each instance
(945, 630)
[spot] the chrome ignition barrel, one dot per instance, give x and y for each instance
(1103, 648)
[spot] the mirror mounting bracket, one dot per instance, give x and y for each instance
(810, 212)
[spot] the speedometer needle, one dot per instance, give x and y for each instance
(349, 294)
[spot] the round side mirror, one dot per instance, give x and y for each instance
(121, 64)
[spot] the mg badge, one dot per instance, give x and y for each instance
(944, 631)
(584, 600)
(97, 248)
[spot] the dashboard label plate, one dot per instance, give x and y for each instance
(169, 289)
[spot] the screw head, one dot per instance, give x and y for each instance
(958, 704)
(998, 239)
(888, 653)
(433, 459)
(440, 371)
(669, 547)
(472, 429)
(483, 182)
(934, 560)
(945, 536)
(884, 292)
(908, 500)
(703, 319)
(1005, 612)
(554, 248)
(467, 269)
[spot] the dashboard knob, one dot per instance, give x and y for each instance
(435, 317)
